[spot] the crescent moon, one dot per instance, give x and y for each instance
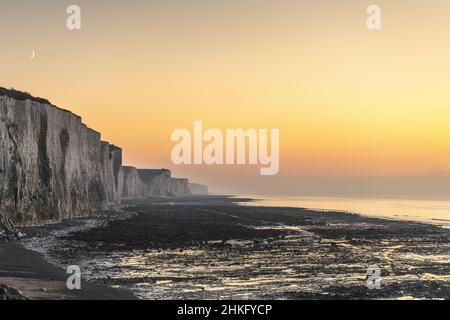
(33, 54)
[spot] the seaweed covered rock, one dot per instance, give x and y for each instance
(8, 293)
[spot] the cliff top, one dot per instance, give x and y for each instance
(147, 175)
(21, 96)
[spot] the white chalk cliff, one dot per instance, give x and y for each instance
(52, 166)
(143, 183)
(198, 189)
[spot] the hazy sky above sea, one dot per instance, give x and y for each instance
(357, 109)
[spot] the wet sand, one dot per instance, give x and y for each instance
(36, 279)
(30, 272)
(209, 248)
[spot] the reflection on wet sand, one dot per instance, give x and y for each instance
(232, 252)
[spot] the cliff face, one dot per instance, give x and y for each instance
(143, 183)
(199, 189)
(131, 185)
(51, 165)
(178, 187)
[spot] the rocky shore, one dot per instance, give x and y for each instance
(210, 248)
(25, 274)
(27, 271)
(8, 293)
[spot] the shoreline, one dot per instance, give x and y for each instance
(36, 279)
(34, 271)
(37, 276)
(442, 222)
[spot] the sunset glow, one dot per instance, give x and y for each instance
(348, 101)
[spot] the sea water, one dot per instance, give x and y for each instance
(430, 211)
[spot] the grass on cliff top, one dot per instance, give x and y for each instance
(21, 96)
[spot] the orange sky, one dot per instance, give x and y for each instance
(348, 101)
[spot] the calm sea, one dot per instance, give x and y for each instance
(431, 211)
